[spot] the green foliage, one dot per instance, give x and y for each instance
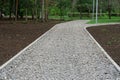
(54, 10)
(60, 8)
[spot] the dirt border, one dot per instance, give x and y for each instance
(20, 52)
(112, 61)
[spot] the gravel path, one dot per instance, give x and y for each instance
(66, 52)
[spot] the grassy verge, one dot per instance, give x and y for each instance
(106, 20)
(67, 18)
(100, 19)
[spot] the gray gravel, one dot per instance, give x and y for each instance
(66, 52)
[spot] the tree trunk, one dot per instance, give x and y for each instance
(16, 11)
(73, 6)
(46, 10)
(26, 18)
(40, 16)
(80, 15)
(43, 9)
(109, 9)
(10, 9)
(0, 13)
(33, 14)
(35, 8)
(10, 14)
(1, 9)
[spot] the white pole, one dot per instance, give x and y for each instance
(93, 9)
(96, 11)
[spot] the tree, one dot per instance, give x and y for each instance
(109, 8)
(46, 9)
(11, 3)
(2, 3)
(73, 6)
(43, 9)
(16, 10)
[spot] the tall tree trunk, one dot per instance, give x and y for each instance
(1, 9)
(12, 6)
(61, 10)
(79, 7)
(73, 6)
(109, 9)
(26, 17)
(0, 13)
(10, 14)
(43, 9)
(16, 11)
(46, 10)
(33, 13)
(35, 9)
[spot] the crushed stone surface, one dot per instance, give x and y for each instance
(66, 52)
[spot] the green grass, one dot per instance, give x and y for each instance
(105, 20)
(100, 19)
(67, 18)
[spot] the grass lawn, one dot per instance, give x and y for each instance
(67, 18)
(105, 20)
(100, 19)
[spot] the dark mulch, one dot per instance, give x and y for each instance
(109, 38)
(16, 36)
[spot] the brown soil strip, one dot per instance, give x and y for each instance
(16, 36)
(108, 36)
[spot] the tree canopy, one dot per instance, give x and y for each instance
(41, 9)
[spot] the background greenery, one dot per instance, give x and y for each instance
(109, 10)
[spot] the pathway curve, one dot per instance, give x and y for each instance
(66, 52)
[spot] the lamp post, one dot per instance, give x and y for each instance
(93, 9)
(96, 11)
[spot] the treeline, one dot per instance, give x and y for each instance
(41, 9)
(34, 9)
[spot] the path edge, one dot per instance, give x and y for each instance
(101, 48)
(21, 51)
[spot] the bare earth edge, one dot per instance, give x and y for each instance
(16, 36)
(113, 62)
(21, 51)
